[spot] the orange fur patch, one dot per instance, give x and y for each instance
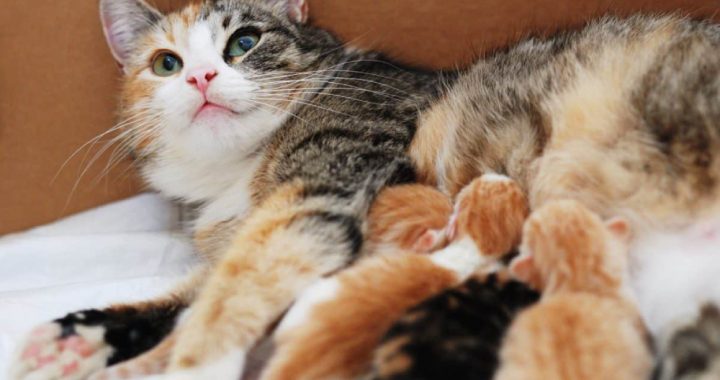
(570, 247)
(341, 334)
(402, 214)
(431, 132)
(492, 213)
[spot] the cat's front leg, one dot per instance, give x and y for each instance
(83, 342)
(285, 245)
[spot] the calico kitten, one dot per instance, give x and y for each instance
(336, 325)
(454, 335)
(585, 326)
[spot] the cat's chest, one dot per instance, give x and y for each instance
(222, 186)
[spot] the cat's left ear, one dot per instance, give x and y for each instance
(297, 11)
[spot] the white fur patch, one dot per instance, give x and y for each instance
(674, 273)
(461, 257)
(493, 177)
(299, 313)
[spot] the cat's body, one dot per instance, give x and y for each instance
(285, 136)
(584, 326)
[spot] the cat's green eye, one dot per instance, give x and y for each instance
(240, 44)
(165, 64)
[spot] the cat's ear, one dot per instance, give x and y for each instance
(122, 21)
(620, 228)
(523, 268)
(297, 11)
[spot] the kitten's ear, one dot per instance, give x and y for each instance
(523, 268)
(122, 21)
(620, 228)
(297, 11)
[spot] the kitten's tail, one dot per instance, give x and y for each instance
(693, 352)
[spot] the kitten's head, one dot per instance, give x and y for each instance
(216, 78)
(567, 246)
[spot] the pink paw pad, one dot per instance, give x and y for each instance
(45, 360)
(77, 345)
(32, 351)
(71, 368)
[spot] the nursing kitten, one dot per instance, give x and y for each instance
(284, 137)
(333, 330)
(456, 334)
(585, 325)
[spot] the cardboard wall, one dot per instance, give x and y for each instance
(58, 81)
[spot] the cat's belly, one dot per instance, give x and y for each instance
(674, 273)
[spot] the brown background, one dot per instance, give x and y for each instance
(58, 80)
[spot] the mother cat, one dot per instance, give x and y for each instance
(283, 136)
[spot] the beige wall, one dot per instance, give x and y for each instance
(58, 80)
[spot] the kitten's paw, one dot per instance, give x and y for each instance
(69, 348)
(491, 211)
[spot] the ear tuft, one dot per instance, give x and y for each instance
(523, 268)
(122, 21)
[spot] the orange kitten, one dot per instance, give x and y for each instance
(584, 327)
(333, 330)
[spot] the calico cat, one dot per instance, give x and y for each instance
(284, 136)
(586, 325)
(333, 330)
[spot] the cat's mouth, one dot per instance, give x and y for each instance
(213, 109)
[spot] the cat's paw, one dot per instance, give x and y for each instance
(81, 343)
(69, 348)
(491, 211)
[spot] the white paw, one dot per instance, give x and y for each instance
(48, 354)
(461, 257)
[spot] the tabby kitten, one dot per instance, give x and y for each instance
(284, 137)
(585, 326)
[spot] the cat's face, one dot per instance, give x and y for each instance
(216, 78)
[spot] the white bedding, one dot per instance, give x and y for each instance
(130, 250)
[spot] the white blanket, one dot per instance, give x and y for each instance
(127, 251)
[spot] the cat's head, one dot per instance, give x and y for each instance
(214, 79)
(566, 246)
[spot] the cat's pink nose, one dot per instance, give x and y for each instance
(201, 77)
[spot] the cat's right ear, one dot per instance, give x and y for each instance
(122, 21)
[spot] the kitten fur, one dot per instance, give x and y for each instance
(336, 325)
(584, 326)
(454, 335)
(693, 352)
(621, 115)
